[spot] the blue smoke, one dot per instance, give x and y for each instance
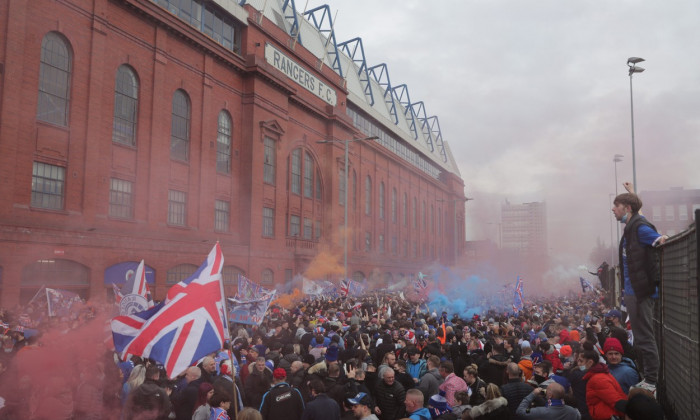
(462, 296)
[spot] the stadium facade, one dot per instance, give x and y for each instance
(150, 129)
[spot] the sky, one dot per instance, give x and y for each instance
(533, 98)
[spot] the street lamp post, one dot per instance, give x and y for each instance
(632, 64)
(345, 204)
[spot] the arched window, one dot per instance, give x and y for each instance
(381, 200)
(308, 168)
(308, 175)
(393, 205)
(405, 209)
(267, 278)
(223, 143)
(180, 126)
(179, 273)
(126, 100)
(358, 276)
(54, 80)
(368, 195)
(296, 171)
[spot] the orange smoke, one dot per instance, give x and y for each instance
(326, 263)
(288, 300)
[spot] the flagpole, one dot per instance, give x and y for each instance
(227, 336)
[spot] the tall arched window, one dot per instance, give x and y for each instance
(180, 126)
(393, 205)
(368, 195)
(54, 80)
(381, 200)
(405, 209)
(223, 143)
(296, 171)
(126, 99)
(308, 175)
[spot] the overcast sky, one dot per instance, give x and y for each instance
(533, 98)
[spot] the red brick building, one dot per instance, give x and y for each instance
(150, 129)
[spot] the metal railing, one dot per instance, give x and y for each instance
(676, 325)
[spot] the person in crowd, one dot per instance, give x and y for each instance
(208, 367)
(555, 409)
(224, 384)
(477, 387)
(461, 403)
(515, 389)
(403, 377)
(414, 405)
(389, 395)
(415, 366)
(202, 408)
(136, 378)
(641, 405)
(257, 384)
(622, 368)
(281, 401)
(452, 384)
(493, 371)
(321, 406)
(525, 362)
(148, 401)
(220, 407)
(249, 413)
(184, 399)
(602, 390)
(641, 275)
(495, 407)
(430, 382)
(362, 407)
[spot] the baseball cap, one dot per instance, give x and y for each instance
(361, 398)
(614, 313)
(640, 407)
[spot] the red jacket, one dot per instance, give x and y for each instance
(553, 357)
(602, 392)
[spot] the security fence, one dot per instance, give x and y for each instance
(676, 324)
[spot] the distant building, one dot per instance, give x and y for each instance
(672, 210)
(524, 228)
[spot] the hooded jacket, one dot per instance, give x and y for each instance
(602, 392)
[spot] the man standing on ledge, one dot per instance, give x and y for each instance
(641, 276)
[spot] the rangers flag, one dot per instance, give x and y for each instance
(518, 296)
(188, 325)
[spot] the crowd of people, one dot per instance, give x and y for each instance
(382, 357)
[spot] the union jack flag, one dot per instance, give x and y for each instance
(420, 283)
(345, 287)
(188, 325)
(518, 296)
